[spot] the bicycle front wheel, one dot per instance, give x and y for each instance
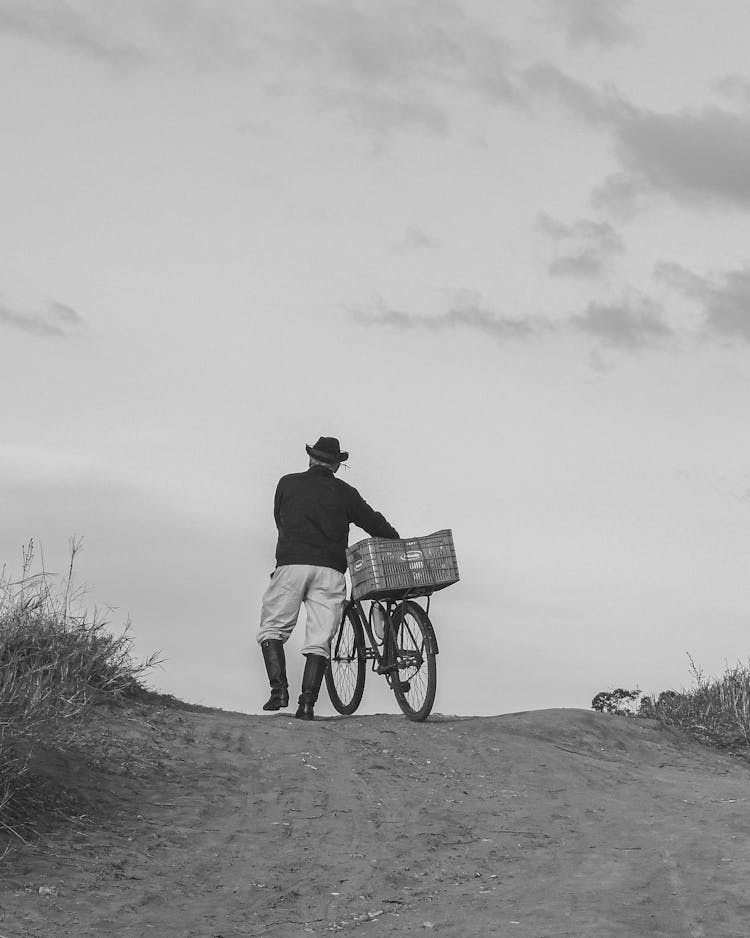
(345, 674)
(413, 648)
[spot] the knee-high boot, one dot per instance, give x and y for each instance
(273, 655)
(315, 667)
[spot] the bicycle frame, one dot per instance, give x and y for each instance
(381, 661)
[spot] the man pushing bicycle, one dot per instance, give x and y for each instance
(313, 511)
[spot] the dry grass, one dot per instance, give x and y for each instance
(56, 661)
(716, 710)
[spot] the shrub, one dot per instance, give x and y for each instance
(716, 710)
(56, 660)
(621, 701)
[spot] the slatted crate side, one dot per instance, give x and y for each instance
(380, 566)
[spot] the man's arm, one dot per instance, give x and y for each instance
(368, 519)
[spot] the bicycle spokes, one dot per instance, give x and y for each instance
(345, 674)
(409, 649)
(414, 676)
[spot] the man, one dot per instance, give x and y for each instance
(313, 511)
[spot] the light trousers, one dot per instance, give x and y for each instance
(321, 589)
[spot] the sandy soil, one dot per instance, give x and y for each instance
(532, 825)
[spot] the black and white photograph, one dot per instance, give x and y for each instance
(374, 468)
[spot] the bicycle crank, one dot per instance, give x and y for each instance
(404, 661)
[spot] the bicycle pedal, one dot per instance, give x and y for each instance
(405, 687)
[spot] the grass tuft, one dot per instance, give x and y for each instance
(716, 710)
(57, 660)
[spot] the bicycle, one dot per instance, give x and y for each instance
(396, 635)
(405, 655)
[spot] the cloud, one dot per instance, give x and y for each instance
(66, 314)
(468, 314)
(724, 300)
(635, 323)
(621, 195)
(735, 88)
(166, 34)
(400, 42)
(78, 28)
(691, 155)
(416, 239)
(601, 22)
(387, 66)
(583, 248)
(400, 65)
(391, 65)
(382, 112)
(592, 105)
(56, 320)
(699, 155)
(395, 65)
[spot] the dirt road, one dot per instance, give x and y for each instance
(547, 824)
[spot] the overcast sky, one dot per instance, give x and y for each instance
(499, 250)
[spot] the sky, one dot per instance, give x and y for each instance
(499, 250)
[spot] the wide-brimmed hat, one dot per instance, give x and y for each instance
(327, 450)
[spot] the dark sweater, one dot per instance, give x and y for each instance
(313, 511)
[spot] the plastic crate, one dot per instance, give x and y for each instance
(415, 566)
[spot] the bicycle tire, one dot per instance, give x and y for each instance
(412, 643)
(346, 670)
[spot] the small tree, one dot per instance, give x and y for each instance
(619, 700)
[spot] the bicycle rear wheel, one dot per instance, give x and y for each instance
(413, 647)
(345, 674)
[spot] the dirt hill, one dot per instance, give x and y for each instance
(201, 824)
